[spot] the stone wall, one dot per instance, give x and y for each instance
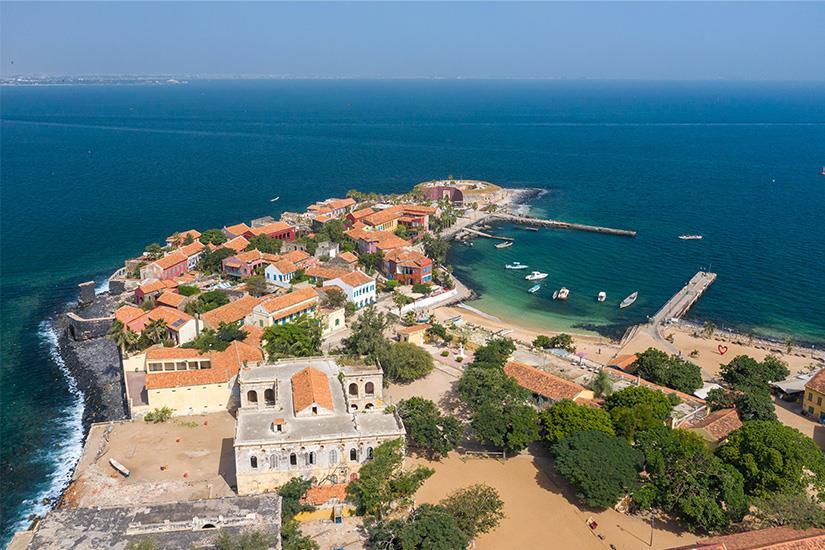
(85, 329)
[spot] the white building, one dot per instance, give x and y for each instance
(280, 273)
(308, 418)
(358, 287)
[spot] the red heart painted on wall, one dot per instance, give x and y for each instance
(722, 349)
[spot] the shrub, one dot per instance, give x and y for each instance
(445, 353)
(158, 415)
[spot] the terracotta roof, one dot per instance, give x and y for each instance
(170, 260)
(156, 285)
(237, 244)
(255, 255)
(174, 318)
(817, 382)
(623, 361)
(390, 242)
(310, 386)
(632, 378)
(192, 249)
(181, 235)
(718, 424)
(407, 258)
(255, 335)
(289, 300)
(295, 256)
(335, 204)
(413, 329)
(418, 209)
(127, 313)
(363, 213)
(348, 257)
(318, 496)
(225, 365)
(171, 299)
(383, 216)
(326, 272)
(541, 382)
(356, 278)
(237, 229)
(323, 218)
(775, 538)
(231, 312)
(271, 228)
(285, 266)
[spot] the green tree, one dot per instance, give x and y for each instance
(774, 458)
(601, 468)
(480, 385)
(637, 408)
(477, 509)
(188, 290)
(371, 261)
(511, 428)
(434, 433)
(432, 527)
(708, 328)
(721, 398)
(333, 230)
(153, 251)
(439, 331)
(256, 285)
(158, 416)
(685, 480)
(671, 371)
(494, 353)
(336, 297)
(155, 331)
(367, 336)
(300, 338)
(117, 334)
(247, 540)
(266, 244)
(602, 385)
(797, 511)
(541, 341)
(401, 231)
(422, 288)
(146, 543)
(746, 372)
(217, 340)
(382, 482)
(755, 404)
(207, 302)
(213, 236)
(212, 261)
(404, 362)
(436, 248)
(566, 417)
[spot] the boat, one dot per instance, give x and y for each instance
(516, 265)
(119, 467)
(690, 237)
(602, 296)
(531, 228)
(561, 294)
(275, 199)
(533, 289)
(506, 244)
(822, 173)
(629, 300)
(536, 276)
(467, 243)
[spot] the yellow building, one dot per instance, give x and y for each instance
(813, 401)
(413, 334)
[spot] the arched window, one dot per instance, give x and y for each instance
(353, 454)
(253, 461)
(368, 406)
(269, 396)
(369, 388)
(333, 457)
(369, 453)
(273, 461)
(310, 458)
(293, 459)
(353, 389)
(252, 396)
(354, 407)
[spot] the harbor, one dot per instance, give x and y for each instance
(682, 301)
(557, 224)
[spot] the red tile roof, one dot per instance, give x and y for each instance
(237, 229)
(289, 300)
(127, 313)
(817, 382)
(541, 382)
(623, 361)
(181, 236)
(632, 378)
(170, 260)
(320, 495)
(383, 216)
(237, 244)
(231, 312)
(356, 278)
(285, 266)
(171, 299)
(718, 424)
(348, 257)
(174, 319)
(295, 256)
(271, 228)
(192, 249)
(326, 273)
(310, 386)
(337, 204)
(775, 538)
(407, 258)
(225, 365)
(390, 242)
(363, 213)
(156, 285)
(413, 329)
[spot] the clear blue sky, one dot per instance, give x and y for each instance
(615, 40)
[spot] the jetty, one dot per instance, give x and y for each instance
(557, 224)
(488, 235)
(683, 300)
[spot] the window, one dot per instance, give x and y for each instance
(353, 454)
(353, 389)
(269, 396)
(818, 400)
(273, 461)
(310, 458)
(333, 457)
(337, 322)
(314, 409)
(369, 388)
(810, 396)
(293, 459)
(368, 406)
(369, 453)
(811, 410)
(253, 461)
(252, 396)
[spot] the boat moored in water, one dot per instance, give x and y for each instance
(516, 265)
(629, 300)
(506, 244)
(690, 237)
(602, 296)
(275, 199)
(561, 294)
(536, 276)
(533, 289)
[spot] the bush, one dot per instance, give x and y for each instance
(188, 290)
(405, 362)
(445, 353)
(422, 288)
(459, 359)
(637, 408)
(158, 415)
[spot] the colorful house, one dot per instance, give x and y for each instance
(180, 327)
(193, 253)
(716, 427)
(407, 266)
(280, 273)
(177, 239)
(383, 220)
(171, 299)
(243, 265)
(333, 208)
(238, 310)
(236, 230)
(413, 334)
(279, 310)
(170, 266)
(812, 402)
(358, 215)
(238, 244)
(276, 230)
(358, 287)
(153, 289)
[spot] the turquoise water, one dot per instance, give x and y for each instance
(91, 174)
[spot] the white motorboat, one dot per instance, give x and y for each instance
(690, 237)
(275, 199)
(533, 289)
(536, 276)
(506, 244)
(602, 296)
(516, 265)
(561, 294)
(629, 300)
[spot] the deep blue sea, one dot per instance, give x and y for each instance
(90, 174)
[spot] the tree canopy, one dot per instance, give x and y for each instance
(266, 244)
(746, 372)
(559, 341)
(510, 427)
(300, 338)
(211, 261)
(217, 340)
(213, 236)
(404, 362)
(601, 467)
(566, 417)
(207, 302)
(637, 408)
(428, 429)
(477, 509)
(367, 336)
(670, 371)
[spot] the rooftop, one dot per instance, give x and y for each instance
(817, 382)
(288, 300)
(231, 312)
(171, 299)
(543, 383)
(775, 538)
(310, 386)
(237, 229)
(171, 259)
(355, 278)
(237, 244)
(718, 424)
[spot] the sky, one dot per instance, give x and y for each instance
(613, 40)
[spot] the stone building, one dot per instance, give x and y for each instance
(308, 418)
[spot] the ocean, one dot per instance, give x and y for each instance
(91, 174)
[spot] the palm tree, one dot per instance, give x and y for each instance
(789, 344)
(708, 329)
(751, 336)
(131, 340)
(156, 331)
(117, 334)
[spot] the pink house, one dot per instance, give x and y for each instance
(168, 267)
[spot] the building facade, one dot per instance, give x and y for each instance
(813, 401)
(358, 287)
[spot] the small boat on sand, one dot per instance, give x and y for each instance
(536, 276)
(602, 296)
(119, 467)
(561, 294)
(690, 237)
(533, 289)
(516, 265)
(506, 244)
(629, 300)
